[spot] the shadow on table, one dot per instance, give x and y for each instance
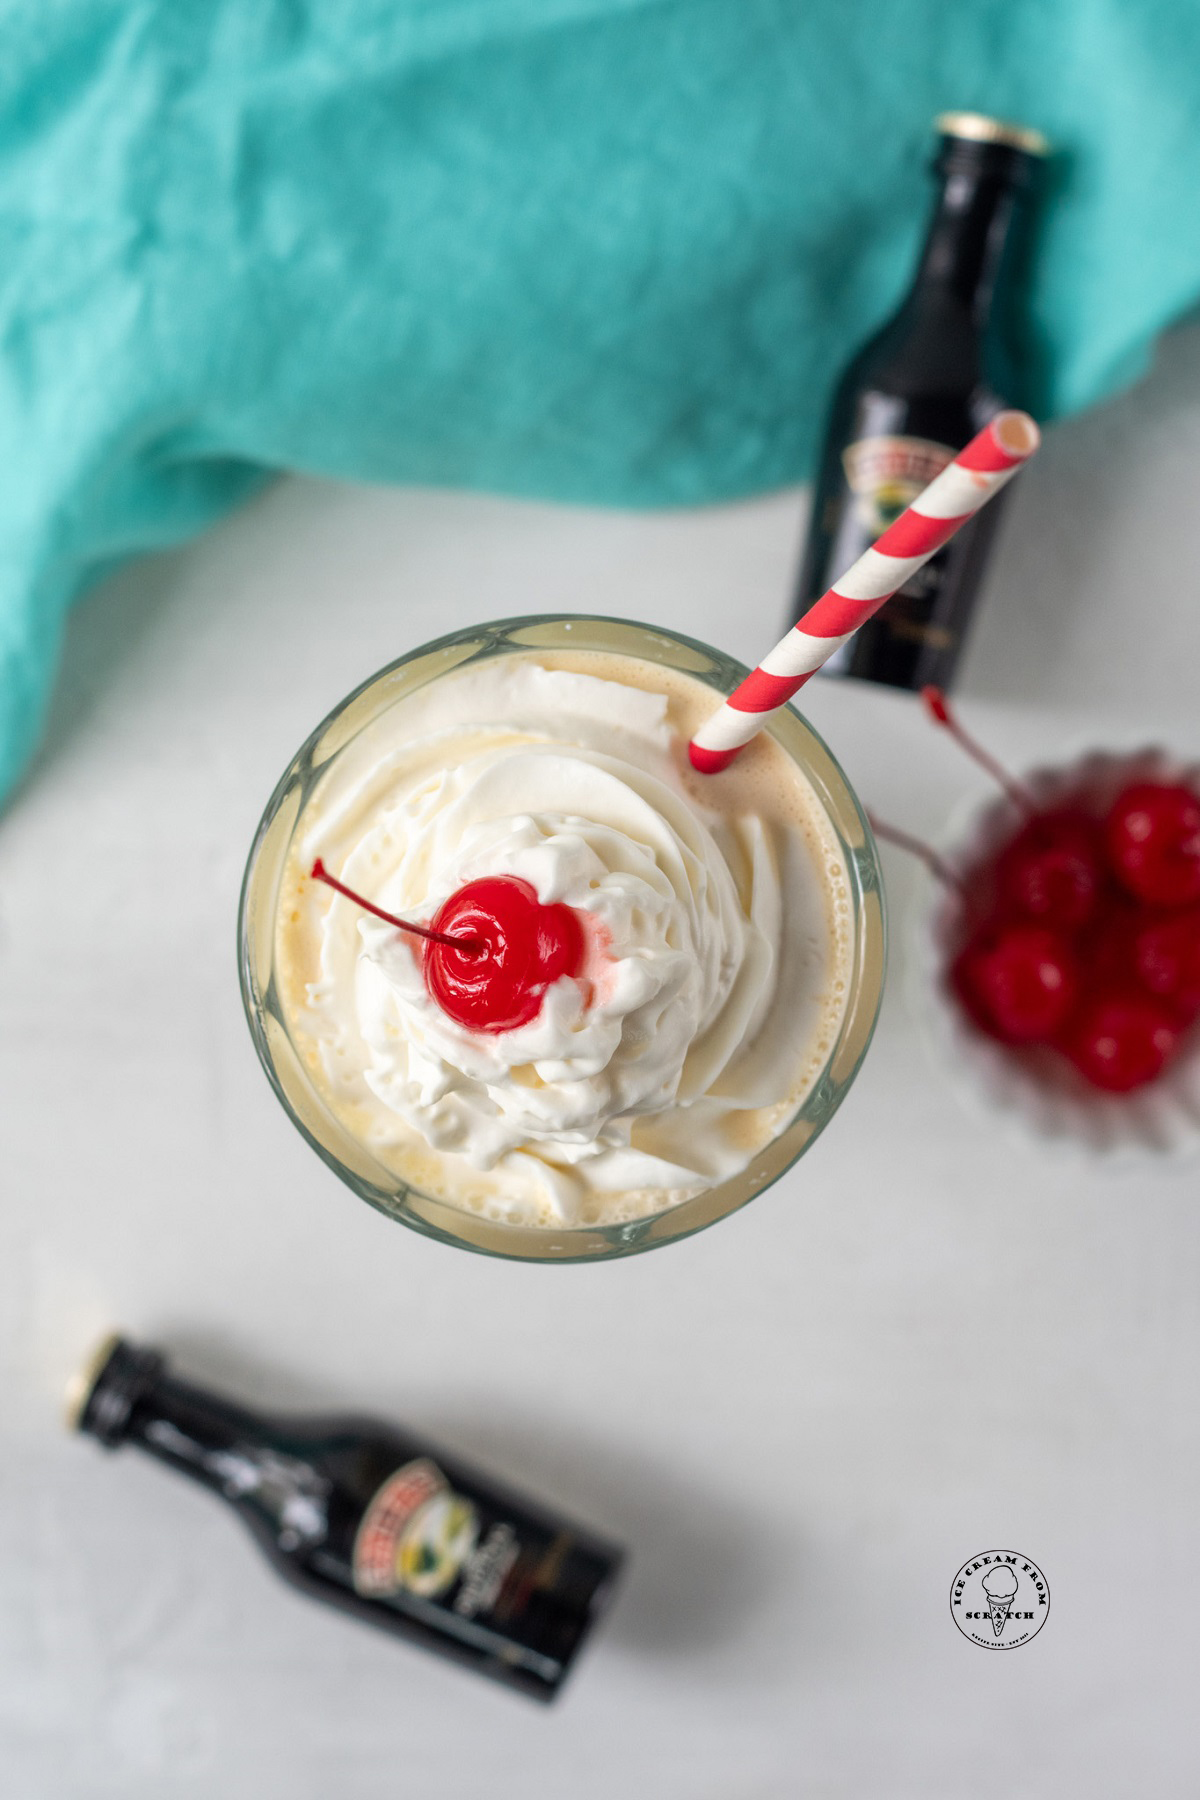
(1082, 502)
(112, 623)
(701, 1563)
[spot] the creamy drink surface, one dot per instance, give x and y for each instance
(717, 920)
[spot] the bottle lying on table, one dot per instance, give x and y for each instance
(363, 1516)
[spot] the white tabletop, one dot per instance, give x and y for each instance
(926, 1342)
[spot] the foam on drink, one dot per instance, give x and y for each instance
(718, 920)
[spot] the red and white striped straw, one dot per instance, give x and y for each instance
(956, 495)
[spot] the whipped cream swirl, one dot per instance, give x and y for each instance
(631, 1078)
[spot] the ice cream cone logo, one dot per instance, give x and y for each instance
(999, 1599)
(1000, 1586)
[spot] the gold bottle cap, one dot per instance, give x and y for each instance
(79, 1388)
(982, 130)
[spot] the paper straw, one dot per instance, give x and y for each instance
(989, 461)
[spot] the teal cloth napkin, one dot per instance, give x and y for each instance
(607, 250)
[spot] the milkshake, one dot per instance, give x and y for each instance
(711, 945)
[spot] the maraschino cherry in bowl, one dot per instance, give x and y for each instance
(1060, 957)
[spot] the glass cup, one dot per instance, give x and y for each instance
(351, 1160)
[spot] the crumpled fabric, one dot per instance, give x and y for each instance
(599, 250)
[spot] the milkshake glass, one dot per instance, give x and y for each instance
(285, 932)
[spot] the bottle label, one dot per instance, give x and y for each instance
(415, 1535)
(885, 474)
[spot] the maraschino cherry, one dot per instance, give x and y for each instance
(1018, 982)
(492, 950)
(1153, 838)
(526, 947)
(1166, 961)
(1052, 870)
(1121, 1041)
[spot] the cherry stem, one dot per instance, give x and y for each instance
(938, 708)
(904, 840)
(473, 945)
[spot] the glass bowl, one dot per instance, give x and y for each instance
(351, 1160)
(1037, 1095)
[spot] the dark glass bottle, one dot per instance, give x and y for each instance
(364, 1517)
(917, 392)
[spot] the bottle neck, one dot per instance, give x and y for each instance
(965, 249)
(194, 1431)
(236, 1453)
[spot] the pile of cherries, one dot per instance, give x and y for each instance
(1084, 928)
